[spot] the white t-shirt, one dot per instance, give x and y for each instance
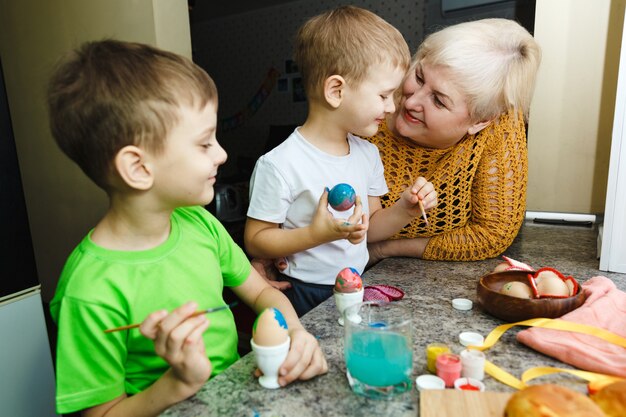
(286, 186)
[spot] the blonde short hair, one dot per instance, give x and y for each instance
(493, 61)
(108, 94)
(346, 41)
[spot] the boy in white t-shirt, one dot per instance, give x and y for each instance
(351, 62)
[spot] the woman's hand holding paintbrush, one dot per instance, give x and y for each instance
(197, 313)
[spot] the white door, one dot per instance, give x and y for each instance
(613, 255)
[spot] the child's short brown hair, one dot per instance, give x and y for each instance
(109, 94)
(346, 41)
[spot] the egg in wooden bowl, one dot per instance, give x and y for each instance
(503, 295)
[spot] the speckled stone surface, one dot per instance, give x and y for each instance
(430, 286)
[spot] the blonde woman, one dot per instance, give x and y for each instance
(460, 123)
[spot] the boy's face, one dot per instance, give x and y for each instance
(185, 170)
(365, 105)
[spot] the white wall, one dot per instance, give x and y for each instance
(572, 111)
(62, 203)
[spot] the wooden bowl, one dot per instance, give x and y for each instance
(513, 309)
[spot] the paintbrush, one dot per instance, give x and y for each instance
(419, 202)
(197, 313)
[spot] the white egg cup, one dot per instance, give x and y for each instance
(269, 359)
(344, 300)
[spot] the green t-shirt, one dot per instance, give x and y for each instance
(101, 289)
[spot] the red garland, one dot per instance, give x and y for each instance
(533, 284)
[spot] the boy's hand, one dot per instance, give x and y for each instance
(421, 190)
(305, 359)
(325, 228)
(357, 237)
(269, 269)
(178, 339)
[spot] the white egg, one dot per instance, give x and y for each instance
(549, 283)
(516, 289)
(501, 267)
(270, 328)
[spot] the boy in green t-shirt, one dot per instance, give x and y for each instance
(141, 122)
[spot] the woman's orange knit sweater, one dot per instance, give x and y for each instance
(481, 186)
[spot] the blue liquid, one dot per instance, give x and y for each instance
(379, 359)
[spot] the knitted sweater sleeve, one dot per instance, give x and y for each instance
(497, 200)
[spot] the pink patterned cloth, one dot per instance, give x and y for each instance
(605, 307)
(382, 293)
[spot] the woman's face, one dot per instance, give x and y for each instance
(433, 111)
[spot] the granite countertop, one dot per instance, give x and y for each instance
(429, 286)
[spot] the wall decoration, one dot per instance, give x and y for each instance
(283, 85)
(253, 106)
(298, 90)
(291, 66)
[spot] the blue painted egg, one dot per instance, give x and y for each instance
(342, 197)
(270, 328)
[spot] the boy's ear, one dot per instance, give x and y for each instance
(477, 127)
(333, 90)
(132, 167)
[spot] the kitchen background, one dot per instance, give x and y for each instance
(243, 45)
(240, 49)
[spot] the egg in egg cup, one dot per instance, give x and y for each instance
(269, 359)
(270, 344)
(348, 291)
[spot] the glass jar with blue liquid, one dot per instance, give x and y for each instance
(378, 348)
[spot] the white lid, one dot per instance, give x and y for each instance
(471, 339)
(429, 382)
(462, 304)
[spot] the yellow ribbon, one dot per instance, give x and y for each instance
(508, 379)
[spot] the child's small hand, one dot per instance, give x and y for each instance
(178, 339)
(421, 190)
(269, 270)
(326, 228)
(357, 237)
(305, 359)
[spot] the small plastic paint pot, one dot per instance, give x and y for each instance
(473, 364)
(432, 351)
(462, 304)
(469, 384)
(425, 382)
(449, 368)
(471, 339)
